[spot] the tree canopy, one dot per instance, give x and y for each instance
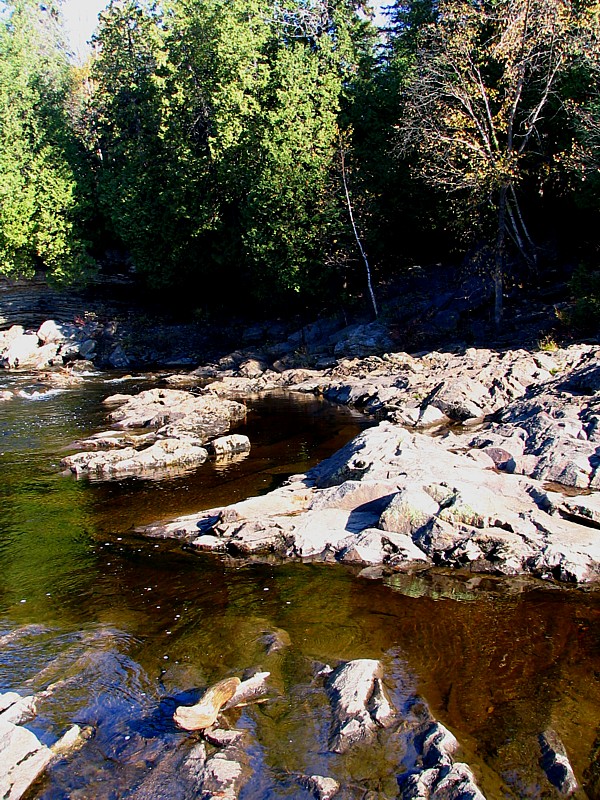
(259, 150)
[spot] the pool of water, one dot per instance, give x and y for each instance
(119, 629)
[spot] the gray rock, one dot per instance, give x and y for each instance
(224, 774)
(118, 358)
(23, 758)
(322, 788)
(165, 454)
(177, 424)
(21, 352)
(359, 703)
(228, 445)
(440, 777)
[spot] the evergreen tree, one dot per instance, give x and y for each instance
(39, 200)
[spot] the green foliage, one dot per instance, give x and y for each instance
(39, 202)
(216, 128)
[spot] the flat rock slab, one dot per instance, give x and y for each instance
(159, 431)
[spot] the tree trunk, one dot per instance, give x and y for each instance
(500, 257)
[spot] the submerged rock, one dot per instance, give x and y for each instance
(23, 758)
(359, 703)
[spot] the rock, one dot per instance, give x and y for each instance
(362, 340)
(178, 424)
(164, 454)
(440, 777)
(5, 395)
(252, 368)
(204, 713)
(461, 399)
(23, 758)
(251, 690)
(21, 352)
(556, 764)
(205, 416)
(228, 445)
(275, 641)
(224, 774)
(219, 737)
(357, 697)
(53, 332)
(118, 358)
(17, 709)
(373, 546)
(321, 788)
(409, 510)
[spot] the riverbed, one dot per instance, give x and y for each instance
(120, 629)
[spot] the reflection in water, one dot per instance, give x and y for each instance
(120, 630)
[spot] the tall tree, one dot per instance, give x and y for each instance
(216, 139)
(39, 199)
(486, 79)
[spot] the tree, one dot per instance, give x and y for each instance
(215, 138)
(39, 161)
(485, 82)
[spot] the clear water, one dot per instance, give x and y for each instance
(121, 629)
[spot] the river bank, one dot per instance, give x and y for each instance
(484, 460)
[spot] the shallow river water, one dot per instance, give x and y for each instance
(120, 629)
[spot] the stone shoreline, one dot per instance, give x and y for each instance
(506, 486)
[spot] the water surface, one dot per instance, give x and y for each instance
(121, 629)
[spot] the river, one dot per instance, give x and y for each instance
(120, 629)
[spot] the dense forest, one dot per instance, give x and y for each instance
(286, 153)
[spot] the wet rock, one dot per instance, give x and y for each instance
(224, 774)
(228, 445)
(23, 758)
(220, 737)
(439, 776)
(5, 395)
(322, 788)
(17, 709)
(204, 713)
(556, 764)
(359, 703)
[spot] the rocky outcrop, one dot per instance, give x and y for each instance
(158, 430)
(53, 344)
(404, 500)
(484, 496)
(23, 758)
